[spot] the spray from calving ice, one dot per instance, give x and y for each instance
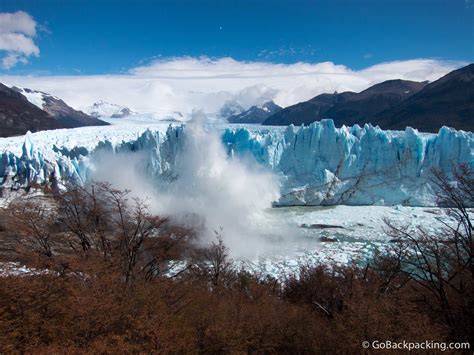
(211, 192)
(226, 193)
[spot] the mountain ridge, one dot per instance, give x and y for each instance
(255, 114)
(18, 115)
(348, 107)
(393, 104)
(23, 109)
(448, 101)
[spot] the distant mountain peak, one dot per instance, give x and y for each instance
(270, 106)
(230, 108)
(464, 74)
(348, 107)
(393, 104)
(392, 87)
(255, 114)
(23, 109)
(109, 110)
(448, 101)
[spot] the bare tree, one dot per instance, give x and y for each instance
(213, 263)
(33, 223)
(85, 217)
(100, 224)
(438, 266)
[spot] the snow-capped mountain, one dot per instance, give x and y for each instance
(25, 110)
(65, 115)
(108, 110)
(18, 115)
(37, 98)
(174, 116)
(230, 108)
(255, 114)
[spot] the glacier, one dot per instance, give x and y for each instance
(317, 164)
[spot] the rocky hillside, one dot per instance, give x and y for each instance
(18, 115)
(394, 104)
(348, 108)
(23, 110)
(448, 101)
(66, 116)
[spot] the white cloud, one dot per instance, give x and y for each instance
(184, 84)
(17, 31)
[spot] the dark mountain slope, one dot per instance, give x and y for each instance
(349, 108)
(308, 111)
(65, 115)
(361, 107)
(255, 114)
(448, 101)
(18, 115)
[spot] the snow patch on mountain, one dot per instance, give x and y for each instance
(102, 109)
(37, 98)
(255, 114)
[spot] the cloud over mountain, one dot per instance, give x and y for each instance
(187, 83)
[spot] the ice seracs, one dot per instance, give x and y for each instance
(318, 165)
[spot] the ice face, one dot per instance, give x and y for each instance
(318, 165)
(323, 165)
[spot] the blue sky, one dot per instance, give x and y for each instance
(110, 37)
(164, 57)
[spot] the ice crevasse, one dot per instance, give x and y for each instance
(317, 165)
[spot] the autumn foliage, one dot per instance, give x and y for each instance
(107, 276)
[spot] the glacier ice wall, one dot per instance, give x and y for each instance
(323, 165)
(318, 164)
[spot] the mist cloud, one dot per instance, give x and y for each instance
(185, 84)
(210, 191)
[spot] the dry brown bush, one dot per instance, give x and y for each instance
(105, 279)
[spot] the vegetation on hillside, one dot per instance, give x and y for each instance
(107, 276)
